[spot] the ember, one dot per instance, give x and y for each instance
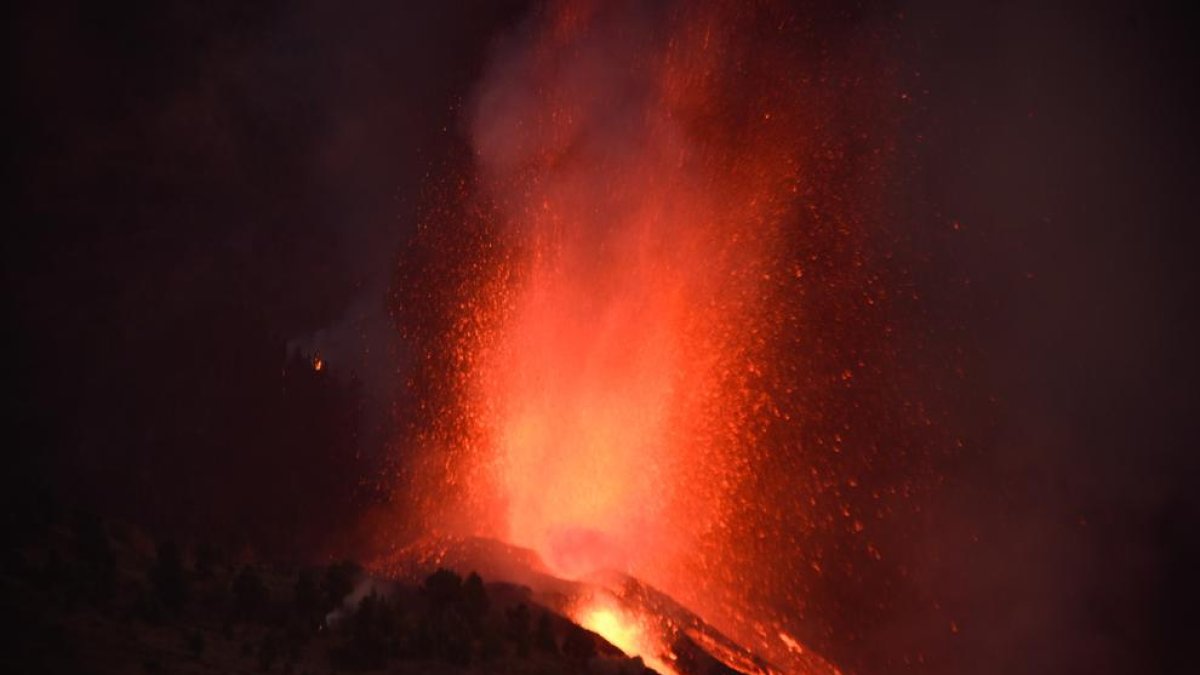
(667, 292)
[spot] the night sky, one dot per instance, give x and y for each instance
(207, 195)
(206, 189)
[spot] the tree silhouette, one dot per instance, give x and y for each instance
(443, 589)
(169, 578)
(98, 564)
(208, 557)
(518, 628)
(475, 601)
(543, 638)
(249, 593)
(306, 593)
(340, 579)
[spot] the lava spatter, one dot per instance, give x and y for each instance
(653, 315)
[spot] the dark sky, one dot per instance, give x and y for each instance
(1061, 137)
(202, 188)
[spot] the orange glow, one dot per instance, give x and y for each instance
(317, 364)
(625, 632)
(660, 293)
(607, 397)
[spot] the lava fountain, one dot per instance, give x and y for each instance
(641, 308)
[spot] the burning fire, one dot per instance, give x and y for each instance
(658, 294)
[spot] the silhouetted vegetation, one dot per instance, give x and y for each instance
(518, 628)
(268, 651)
(475, 601)
(214, 611)
(208, 558)
(453, 623)
(543, 639)
(339, 582)
(374, 636)
(306, 594)
(443, 590)
(195, 643)
(96, 571)
(445, 630)
(250, 595)
(169, 578)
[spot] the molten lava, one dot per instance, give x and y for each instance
(660, 297)
(610, 396)
(625, 631)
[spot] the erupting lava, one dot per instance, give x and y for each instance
(657, 292)
(624, 630)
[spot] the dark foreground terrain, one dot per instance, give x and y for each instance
(82, 595)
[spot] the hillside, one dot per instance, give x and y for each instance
(95, 597)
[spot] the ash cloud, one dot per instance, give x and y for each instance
(602, 82)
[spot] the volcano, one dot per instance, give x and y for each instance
(633, 616)
(653, 313)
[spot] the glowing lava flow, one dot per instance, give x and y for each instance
(625, 631)
(659, 295)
